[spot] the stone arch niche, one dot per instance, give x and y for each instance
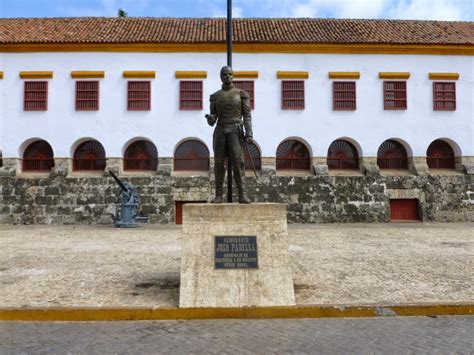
(392, 155)
(38, 156)
(191, 155)
(89, 156)
(293, 154)
(140, 155)
(440, 155)
(342, 155)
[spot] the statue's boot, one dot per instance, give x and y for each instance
(219, 175)
(239, 181)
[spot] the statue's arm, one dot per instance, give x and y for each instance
(246, 113)
(212, 117)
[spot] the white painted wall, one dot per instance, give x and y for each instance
(165, 125)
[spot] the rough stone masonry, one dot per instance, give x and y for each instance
(310, 199)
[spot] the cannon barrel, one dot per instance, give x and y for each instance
(117, 180)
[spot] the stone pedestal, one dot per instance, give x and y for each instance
(204, 285)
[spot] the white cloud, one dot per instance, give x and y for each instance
(236, 12)
(433, 10)
(394, 9)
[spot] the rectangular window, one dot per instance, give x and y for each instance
(444, 96)
(292, 94)
(139, 96)
(395, 95)
(87, 95)
(190, 95)
(343, 95)
(36, 96)
(246, 85)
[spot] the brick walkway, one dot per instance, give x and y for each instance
(92, 266)
(441, 335)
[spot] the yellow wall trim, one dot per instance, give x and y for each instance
(344, 75)
(139, 74)
(82, 74)
(292, 75)
(246, 74)
(394, 75)
(36, 74)
(191, 74)
(444, 76)
(1, 75)
(245, 48)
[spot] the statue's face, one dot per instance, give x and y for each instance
(227, 75)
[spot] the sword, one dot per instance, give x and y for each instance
(250, 157)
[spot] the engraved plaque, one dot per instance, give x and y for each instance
(236, 252)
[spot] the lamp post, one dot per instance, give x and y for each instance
(229, 63)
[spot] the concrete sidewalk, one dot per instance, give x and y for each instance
(99, 266)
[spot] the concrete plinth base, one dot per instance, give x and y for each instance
(204, 285)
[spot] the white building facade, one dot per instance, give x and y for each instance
(364, 91)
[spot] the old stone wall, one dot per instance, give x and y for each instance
(311, 199)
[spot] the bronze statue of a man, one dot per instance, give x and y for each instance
(230, 108)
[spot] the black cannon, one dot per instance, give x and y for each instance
(126, 215)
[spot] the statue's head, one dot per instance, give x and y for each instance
(227, 75)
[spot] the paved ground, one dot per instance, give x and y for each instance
(88, 266)
(443, 335)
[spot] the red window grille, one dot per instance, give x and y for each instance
(444, 96)
(440, 155)
(395, 95)
(36, 96)
(87, 95)
(292, 155)
(248, 86)
(139, 96)
(342, 155)
(190, 95)
(191, 155)
(89, 156)
(344, 95)
(38, 156)
(255, 154)
(141, 155)
(392, 155)
(292, 94)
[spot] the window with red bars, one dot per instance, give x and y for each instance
(36, 96)
(395, 95)
(344, 96)
(248, 86)
(292, 94)
(190, 95)
(87, 95)
(444, 96)
(139, 96)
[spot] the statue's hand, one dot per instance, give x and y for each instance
(249, 139)
(211, 119)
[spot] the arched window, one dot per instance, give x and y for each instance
(141, 155)
(38, 156)
(89, 156)
(255, 154)
(292, 155)
(392, 155)
(191, 155)
(440, 155)
(342, 155)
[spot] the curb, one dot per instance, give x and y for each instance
(136, 314)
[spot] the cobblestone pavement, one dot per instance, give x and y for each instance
(441, 335)
(363, 264)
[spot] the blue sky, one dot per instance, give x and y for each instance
(394, 9)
